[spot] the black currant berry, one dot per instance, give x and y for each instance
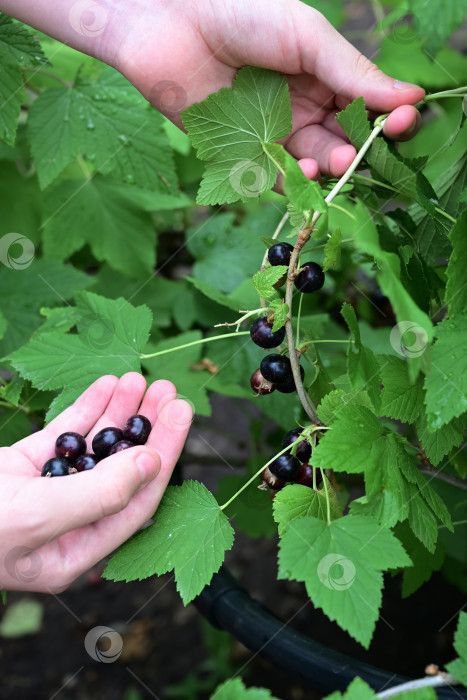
(276, 368)
(104, 440)
(70, 446)
(303, 452)
(137, 429)
(272, 481)
(286, 467)
(289, 386)
(57, 466)
(121, 445)
(260, 385)
(279, 254)
(305, 478)
(262, 334)
(86, 462)
(310, 278)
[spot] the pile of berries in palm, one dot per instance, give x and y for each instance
(275, 371)
(287, 467)
(70, 448)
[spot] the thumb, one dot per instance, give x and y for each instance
(346, 71)
(88, 496)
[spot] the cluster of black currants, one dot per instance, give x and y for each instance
(289, 468)
(70, 448)
(275, 371)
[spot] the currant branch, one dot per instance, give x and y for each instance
(302, 238)
(440, 679)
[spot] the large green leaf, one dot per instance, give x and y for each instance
(341, 564)
(108, 122)
(458, 667)
(104, 215)
(228, 130)
(190, 537)
(437, 20)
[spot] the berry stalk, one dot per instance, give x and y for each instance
(236, 334)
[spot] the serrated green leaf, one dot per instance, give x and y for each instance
(190, 536)
(228, 130)
(234, 689)
(332, 251)
(456, 289)
(446, 382)
(296, 501)
(264, 280)
(362, 365)
(304, 194)
(400, 399)
(329, 408)
(354, 121)
(341, 566)
(11, 97)
(102, 214)
(215, 295)
(11, 391)
(111, 335)
(383, 158)
(18, 46)
(437, 20)
(437, 444)
(108, 122)
(280, 315)
(458, 667)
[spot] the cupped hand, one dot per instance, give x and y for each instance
(54, 529)
(177, 53)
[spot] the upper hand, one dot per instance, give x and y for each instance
(54, 529)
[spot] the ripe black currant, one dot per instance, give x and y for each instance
(276, 368)
(137, 429)
(262, 334)
(86, 462)
(303, 452)
(289, 386)
(286, 467)
(57, 466)
(310, 278)
(104, 439)
(70, 446)
(260, 385)
(121, 445)
(305, 477)
(279, 253)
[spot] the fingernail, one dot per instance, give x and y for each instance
(399, 85)
(145, 463)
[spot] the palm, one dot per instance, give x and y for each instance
(70, 524)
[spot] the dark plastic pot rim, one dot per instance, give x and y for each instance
(229, 607)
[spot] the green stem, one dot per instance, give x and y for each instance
(454, 92)
(455, 523)
(444, 213)
(344, 211)
(255, 476)
(276, 163)
(328, 503)
(195, 342)
(47, 74)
